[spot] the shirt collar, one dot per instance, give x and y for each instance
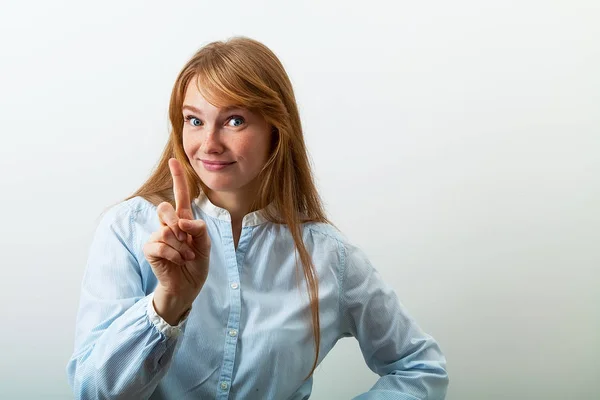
(252, 219)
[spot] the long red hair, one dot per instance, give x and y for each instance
(244, 72)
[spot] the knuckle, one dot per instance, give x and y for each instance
(163, 207)
(178, 245)
(165, 212)
(176, 258)
(165, 233)
(186, 248)
(162, 250)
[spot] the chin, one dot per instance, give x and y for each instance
(219, 185)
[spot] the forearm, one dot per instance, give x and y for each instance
(126, 360)
(409, 385)
(411, 366)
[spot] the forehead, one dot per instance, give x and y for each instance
(205, 98)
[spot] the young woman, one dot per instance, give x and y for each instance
(221, 278)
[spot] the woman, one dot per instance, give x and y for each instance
(193, 288)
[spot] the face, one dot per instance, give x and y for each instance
(227, 147)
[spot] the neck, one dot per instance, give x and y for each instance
(237, 204)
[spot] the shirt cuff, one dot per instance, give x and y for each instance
(163, 326)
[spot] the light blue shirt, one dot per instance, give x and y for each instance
(249, 332)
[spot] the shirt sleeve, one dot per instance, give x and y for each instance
(409, 362)
(122, 347)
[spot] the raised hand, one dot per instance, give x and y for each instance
(178, 252)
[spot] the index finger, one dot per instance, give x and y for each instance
(180, 189)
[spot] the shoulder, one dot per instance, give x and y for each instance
(125, 225)
(124, 215)
(330, 233)
(354, 269)
(354, 261)
(323, 232)
(130, 207)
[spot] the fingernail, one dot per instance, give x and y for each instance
(190, 255)
(182, 236)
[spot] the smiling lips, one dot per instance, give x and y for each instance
(216, 165)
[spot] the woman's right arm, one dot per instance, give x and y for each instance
(122, 347)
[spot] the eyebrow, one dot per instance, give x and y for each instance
(198, 111)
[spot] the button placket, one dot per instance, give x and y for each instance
(233, 259)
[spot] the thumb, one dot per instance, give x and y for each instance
(197, 229)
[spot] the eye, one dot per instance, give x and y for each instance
(236, 121)
(193, 120)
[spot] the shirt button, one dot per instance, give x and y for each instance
(235, 286)
(224, 385)
(233, 332)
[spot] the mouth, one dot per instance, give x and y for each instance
(216, 165)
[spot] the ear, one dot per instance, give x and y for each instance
(274, 137)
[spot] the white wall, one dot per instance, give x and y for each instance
(458, 143)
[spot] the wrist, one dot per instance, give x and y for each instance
(168, 307)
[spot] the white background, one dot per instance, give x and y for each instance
(458, 143)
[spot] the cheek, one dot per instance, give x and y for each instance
(189, 146)
(253, 152)
(267, 149)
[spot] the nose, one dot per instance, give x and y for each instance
(212, 142)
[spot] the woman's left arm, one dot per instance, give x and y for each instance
(409, 362)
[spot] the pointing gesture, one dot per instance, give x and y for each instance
(178, 252)
(180, 189)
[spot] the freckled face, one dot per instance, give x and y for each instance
(227, 147)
